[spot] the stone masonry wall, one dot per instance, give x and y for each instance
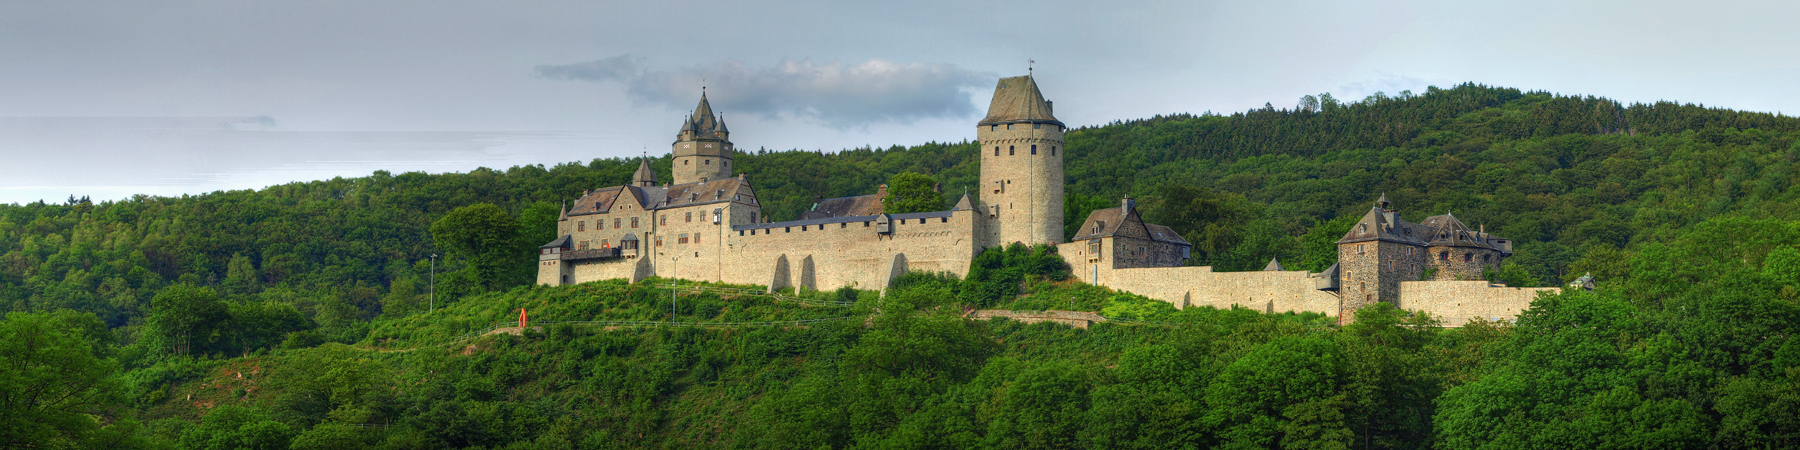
(1456, 302)
(1021, 190)
(814, 256)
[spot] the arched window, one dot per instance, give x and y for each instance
(1009, 150)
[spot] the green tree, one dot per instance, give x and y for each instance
(487, 239)
(185, 319)
(58, 384)
(912, 192)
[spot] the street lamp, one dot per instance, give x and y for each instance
(433, 295)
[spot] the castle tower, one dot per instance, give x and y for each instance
(1021, 165)
(702, 148)
(1379, 252)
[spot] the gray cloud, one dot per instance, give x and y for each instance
(834, 94)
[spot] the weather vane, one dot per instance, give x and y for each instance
(1029, 63)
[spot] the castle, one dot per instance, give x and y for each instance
(707, 224)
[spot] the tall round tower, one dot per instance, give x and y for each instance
(1021, 165)
(702, 148)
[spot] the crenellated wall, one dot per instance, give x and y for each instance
(816, 254)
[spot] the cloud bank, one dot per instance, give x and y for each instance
(833, 94)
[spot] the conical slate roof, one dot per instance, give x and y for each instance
(644, 176)
(1017, 100)
(704, 120)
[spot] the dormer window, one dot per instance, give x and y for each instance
(1099, 225)
(719, 195)
(692, 196)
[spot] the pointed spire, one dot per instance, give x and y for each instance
(721, 128)
(1274, 266)
(703, 118)
(966, 204)
(564, 213)
(1383, 202)
(644, 176)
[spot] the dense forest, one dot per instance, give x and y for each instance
(313, 315)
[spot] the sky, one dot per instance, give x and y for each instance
(109, 99)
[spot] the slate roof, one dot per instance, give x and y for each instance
(1114, 222)
(663, 197)
(1017, 100)
(1381, 224)
(1274, 266)
(644, 177)
(562, 241)
(861, 205)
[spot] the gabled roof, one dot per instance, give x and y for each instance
(1116, 222)
(1017, 100)
(861, 205)
(967, 204)
(1384, 225)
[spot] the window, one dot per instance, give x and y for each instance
(682, 239)
(1094, 247)
(787, 229)
(1009, 150)
(707, 161)
(634, 223)
(865, 224)
(659, 241)
(753, 217)
(996, 151)
(690, 216)
(844, 225)
(581, 225)
(1467, 257)
(1052, 150)
(599, 224)
(803, 228)
(605, 244)
(719, 195)
(581, 245)
(665, 221)
(1037, 126)
(684, 162)
(1009, 126)
(615, 222)
(1443, 256)
(943, 220)
(1034, 149)
(993, 127)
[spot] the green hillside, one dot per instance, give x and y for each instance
(297, 316)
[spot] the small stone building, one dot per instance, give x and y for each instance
(1382, 250)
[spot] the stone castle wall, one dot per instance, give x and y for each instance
(1462, 263)
(1456, 302)
(809, 254)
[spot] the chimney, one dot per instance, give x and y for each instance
(881, 192)
(1126, 205)
(1050, 107)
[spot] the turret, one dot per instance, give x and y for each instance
(702, 147)
(1021, 165)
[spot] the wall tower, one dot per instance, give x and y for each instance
(702, 148)
(1021, 165)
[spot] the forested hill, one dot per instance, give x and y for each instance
(150, 312)
(1564, 176)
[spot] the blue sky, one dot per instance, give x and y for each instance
(186, 96)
